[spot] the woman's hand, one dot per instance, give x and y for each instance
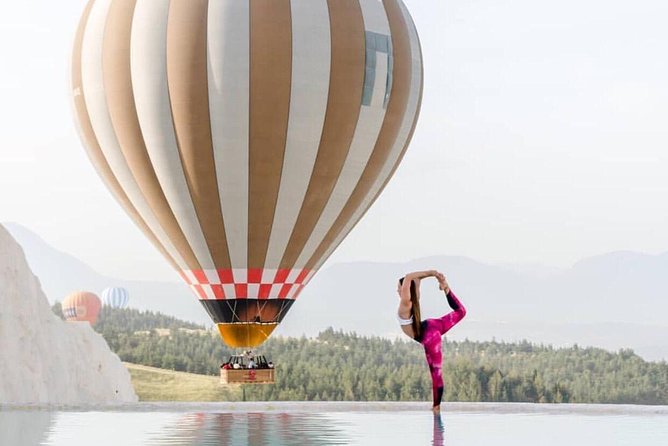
(442, 283)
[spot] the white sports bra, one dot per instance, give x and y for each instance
(403, 321)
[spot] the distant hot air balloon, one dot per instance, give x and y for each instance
(246, 138)
(81, 306)
(115, 297)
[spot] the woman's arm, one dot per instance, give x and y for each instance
(405, 291)
(421, 275)
(453, 301)
(417, 276)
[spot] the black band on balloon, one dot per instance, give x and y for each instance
(247, 310)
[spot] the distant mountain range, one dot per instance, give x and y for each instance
(60, 274)
(616, 300)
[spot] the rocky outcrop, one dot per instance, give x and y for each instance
(44, 360)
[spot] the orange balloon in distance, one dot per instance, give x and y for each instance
(246, 138)
(82, 306)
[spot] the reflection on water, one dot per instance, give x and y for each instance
(439, 431)
(306, 424)
(24, 427)
(250, 428)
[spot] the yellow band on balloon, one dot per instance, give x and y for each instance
(238, 335)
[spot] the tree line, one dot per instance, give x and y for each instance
(339, 366)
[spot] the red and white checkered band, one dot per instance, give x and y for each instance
(247, 283)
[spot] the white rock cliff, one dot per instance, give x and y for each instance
(44, 360)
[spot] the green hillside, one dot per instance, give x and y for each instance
(155, 384)
(339, 366)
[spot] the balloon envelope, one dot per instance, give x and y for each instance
(115, 297)
(246, 138)
(81, 306)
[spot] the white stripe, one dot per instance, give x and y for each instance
(311, 57)
(253, 290)
(212, 276)
(292, 276)
(364, 141)
(230, 293)
(380, 81)
(402, 137)
(268, 275)
(149, 81)
(229, 95)
(375, 18)
(209, 292)
(96, 102)
(240, 275)
(275, 290)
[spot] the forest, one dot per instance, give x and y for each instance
(338, 366)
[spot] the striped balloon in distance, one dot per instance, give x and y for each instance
(115, 297)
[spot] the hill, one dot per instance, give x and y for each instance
(155, 384)
(338, 366)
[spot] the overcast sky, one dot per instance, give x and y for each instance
(543, 138)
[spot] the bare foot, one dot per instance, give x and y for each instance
(436, 409)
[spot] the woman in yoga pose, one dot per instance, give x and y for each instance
(428, 332)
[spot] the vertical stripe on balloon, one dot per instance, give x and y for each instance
(270, 78)
(311, 54)
(228, 50)
(188, 88)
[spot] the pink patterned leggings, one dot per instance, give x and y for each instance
(432, 331)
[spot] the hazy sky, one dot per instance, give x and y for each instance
(542, 138)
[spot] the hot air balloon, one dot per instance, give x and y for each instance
(246, 138)
(115, 297)
(81, 306)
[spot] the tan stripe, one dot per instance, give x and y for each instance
(270, 83)
(189, 93)
(270, 87)
(391, 125)
(123, 113)
(343, 108)
(92, 146)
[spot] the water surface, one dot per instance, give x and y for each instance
(336, 424)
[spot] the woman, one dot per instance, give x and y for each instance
(428, 332)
